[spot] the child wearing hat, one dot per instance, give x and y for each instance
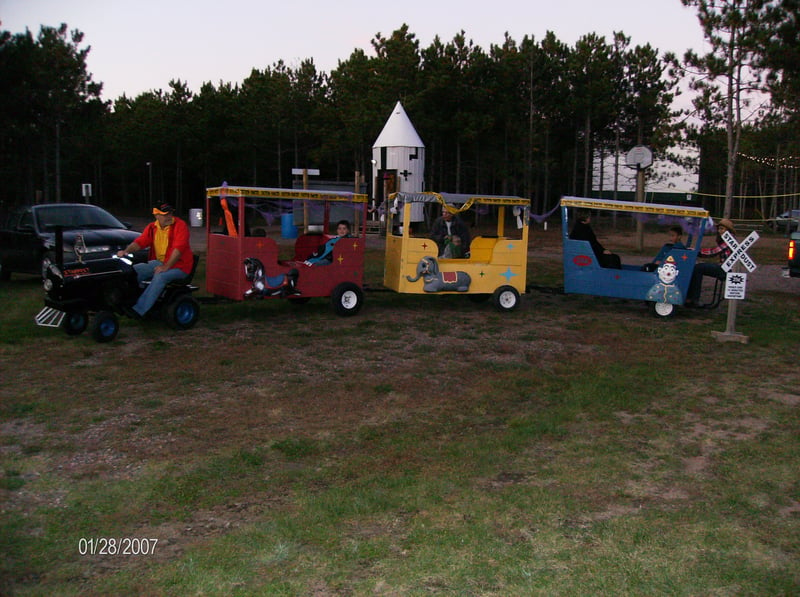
(720, 249)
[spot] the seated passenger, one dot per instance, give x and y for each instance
(445, 227)
(713, 270)
(452, 248)
(324, 253)
(674, 241)
(583, 231)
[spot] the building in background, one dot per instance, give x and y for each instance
(398, 160)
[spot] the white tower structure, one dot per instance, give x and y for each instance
(398, 159)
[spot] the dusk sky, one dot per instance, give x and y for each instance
(140, 46)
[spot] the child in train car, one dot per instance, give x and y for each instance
(324, 253)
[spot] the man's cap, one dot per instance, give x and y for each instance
(163, 209)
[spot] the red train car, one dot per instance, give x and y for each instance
(246, 261)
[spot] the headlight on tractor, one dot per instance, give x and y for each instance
(52, 272)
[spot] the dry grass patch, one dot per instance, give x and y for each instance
(574, 446)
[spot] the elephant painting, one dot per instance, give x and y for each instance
(436, 281)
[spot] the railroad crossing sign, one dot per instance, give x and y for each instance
(736, 282)
(739, 251)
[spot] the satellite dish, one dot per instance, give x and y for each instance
(639, 157)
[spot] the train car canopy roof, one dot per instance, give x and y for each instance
(635, 207)
(456, 202)
(294, 194)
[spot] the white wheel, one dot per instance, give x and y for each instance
(347, 299)
(505, 298)
(663, 309)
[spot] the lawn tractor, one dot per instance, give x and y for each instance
(104, 289)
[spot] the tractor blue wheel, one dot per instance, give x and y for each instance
(75, 323)
(105, 326)
(182, 313)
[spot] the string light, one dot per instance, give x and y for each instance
(789, 162)
(743, 196)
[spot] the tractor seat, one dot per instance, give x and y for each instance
(188, 279)
(183, 281)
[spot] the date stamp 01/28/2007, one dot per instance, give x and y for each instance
(116, 546)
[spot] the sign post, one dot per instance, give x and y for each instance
(735, 283)
(305, 172)
(641, 158)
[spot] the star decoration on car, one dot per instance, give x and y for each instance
(508, 274)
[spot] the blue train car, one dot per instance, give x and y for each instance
(663, 282)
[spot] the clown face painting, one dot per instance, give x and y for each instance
(665, 290)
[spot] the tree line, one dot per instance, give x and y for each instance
(527, 117)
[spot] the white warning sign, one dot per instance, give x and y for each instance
(735, 286)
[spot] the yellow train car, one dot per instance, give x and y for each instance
(441, 262)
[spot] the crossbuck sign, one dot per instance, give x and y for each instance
(735, 283)
(739, 251)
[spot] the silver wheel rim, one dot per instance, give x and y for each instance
(349, 299)
(507, 299)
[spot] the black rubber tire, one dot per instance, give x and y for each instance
(347, 299)
(105, 326)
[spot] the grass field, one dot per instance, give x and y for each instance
(429, 445)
